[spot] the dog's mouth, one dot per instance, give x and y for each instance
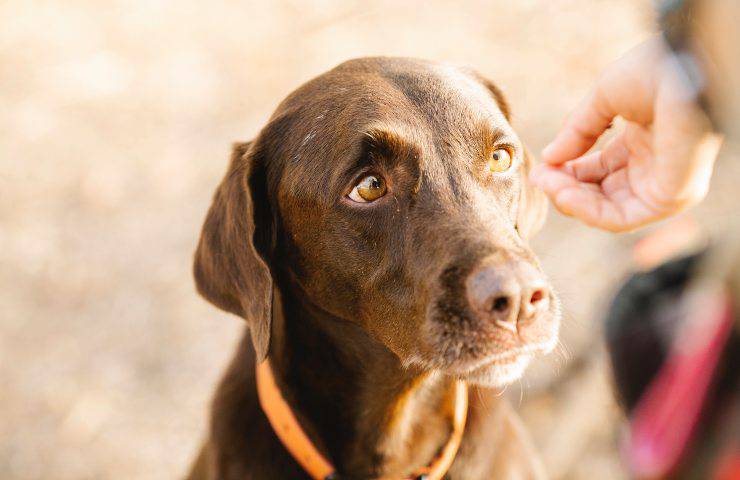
(502, 368)
(482, 345)
(471, 348)
(499, 374)
(480, 352)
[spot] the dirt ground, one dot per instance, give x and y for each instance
(115, 124)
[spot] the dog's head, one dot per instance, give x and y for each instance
(391, 193)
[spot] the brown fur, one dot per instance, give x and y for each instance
(361, 307)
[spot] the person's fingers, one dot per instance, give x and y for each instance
(582, 200)
(588, 168)
(591, 207)
(582, 128)
(551, 179)
(598, 210)
(626, 88)
(595, 166)
(617, 211)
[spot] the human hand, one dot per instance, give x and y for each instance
(659, 165)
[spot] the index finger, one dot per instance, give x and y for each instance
(626, 88)
(582, 128)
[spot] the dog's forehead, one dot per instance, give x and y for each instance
(387, 89)
(433, 105)
(446, 97)
(447, 94)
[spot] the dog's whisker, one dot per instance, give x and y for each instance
(521, 391)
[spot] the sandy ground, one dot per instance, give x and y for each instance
(115, 125)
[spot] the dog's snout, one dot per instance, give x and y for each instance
(494, 293)
(508, 294)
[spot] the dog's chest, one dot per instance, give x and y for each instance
(416, 430)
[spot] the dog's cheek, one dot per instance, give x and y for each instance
(391, 316)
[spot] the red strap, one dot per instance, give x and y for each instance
(665, 419)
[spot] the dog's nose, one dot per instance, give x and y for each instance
(509, 294)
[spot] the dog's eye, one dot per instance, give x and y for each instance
(368, 189)
(499, 161)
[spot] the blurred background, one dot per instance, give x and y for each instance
(116, 120)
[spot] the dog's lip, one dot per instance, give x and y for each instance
(509, 357)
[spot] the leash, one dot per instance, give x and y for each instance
(303, 451)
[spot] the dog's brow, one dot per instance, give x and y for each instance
(491, 134)
(386, 146)
(392, 143)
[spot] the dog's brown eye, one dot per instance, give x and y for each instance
(368, 189)
(500, 160)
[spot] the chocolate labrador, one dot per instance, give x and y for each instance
(374, 238)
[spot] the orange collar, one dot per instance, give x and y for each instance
(295, 440)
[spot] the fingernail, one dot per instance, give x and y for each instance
(548, 150)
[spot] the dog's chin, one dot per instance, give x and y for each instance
(499, 373)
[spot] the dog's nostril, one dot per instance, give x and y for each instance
(532, 303)
(495, 294)
(500, 304)
(537, 296)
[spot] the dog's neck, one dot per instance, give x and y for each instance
(357, 403)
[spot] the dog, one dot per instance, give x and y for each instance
(374, 238)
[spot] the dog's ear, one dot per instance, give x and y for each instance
(532, 205)
(231, 262)
(496, 92)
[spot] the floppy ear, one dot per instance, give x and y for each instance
(496, 92)
(231, 266)
(532, 207)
